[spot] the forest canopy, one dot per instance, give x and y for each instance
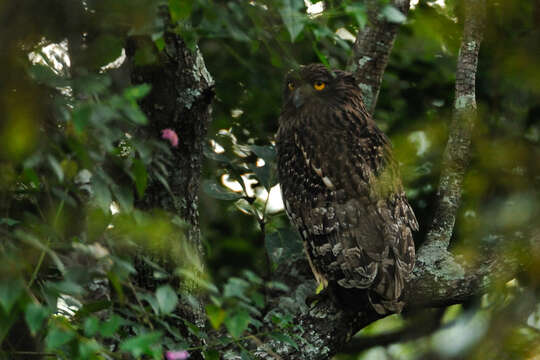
(140, 212)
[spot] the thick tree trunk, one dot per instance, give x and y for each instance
(180, 99)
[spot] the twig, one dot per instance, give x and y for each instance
(456, 154)
(42, 254)
(141, 306)
(258, 342)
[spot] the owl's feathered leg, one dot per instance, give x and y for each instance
(312, 300)
(353, 300)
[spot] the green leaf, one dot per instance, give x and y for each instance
(110, 327)
(322, 57)
(163, 182)
(216, 315)
(237, 322)
(124, 196)
(91, 84)
(283, 245)
(166, 298)
(33, 241)
(103, 50)
(392, 14)
(35, 314)
(211, 355)
(276, 285)
(358, 11)
(137, 92)
(88, 349)
(141, 344)
(65, 287)
(140, 176)
(56, 167)
(252, 277)
(102, 194)
(92, 307)
(293, 19)
(211, 154)
(160, 43)
(236, 287)
(135, 114)
(194, 329)
(31, 176)
(145, 55)
(258, 299)
(97, 222)
(285, 339)
(91, 326)
(267, 153)
(264, 175)
(8, 221)
(151, 300)
(80, 117)
(244, 355)
(180, 9)
(219, 192)
(58, 337)
(45, 75)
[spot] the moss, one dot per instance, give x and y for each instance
(440, 263)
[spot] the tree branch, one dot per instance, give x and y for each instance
(424, 325)
(372, 48)
(325, 328)
(456, 154)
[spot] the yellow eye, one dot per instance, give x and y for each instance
(319, 85)
(290, 85)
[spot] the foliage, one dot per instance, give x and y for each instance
(74, 166)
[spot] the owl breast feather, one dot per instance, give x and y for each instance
(342, 192)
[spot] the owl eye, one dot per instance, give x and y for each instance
(319, 85)
(290, 85)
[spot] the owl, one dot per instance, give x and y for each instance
(341, 188)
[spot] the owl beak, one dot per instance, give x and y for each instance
(298, 98)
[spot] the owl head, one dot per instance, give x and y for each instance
(316, 85)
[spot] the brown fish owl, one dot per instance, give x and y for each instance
(341, 188)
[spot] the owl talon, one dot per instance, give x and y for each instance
(326, 293)
(313, 300)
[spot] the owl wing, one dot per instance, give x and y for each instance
(358, 230)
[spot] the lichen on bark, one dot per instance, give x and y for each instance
(372, 49)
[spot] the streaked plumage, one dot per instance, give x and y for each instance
(341, 187)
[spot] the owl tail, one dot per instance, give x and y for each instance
(385, 297)
(382, 306)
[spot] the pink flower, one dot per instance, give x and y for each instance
(169, 134)
(177, 355)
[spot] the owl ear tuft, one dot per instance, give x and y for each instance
(352, 77)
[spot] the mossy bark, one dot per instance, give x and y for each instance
(372, 49)
(180, 99)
